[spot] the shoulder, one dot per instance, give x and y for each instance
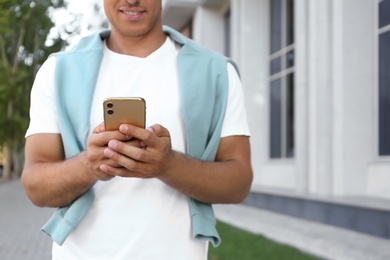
(89, 43)
(192, 47)
(193, 53)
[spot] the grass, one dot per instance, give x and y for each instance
(242, 245)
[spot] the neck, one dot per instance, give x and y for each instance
(139, 46)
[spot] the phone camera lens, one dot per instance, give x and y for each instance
(110, 105)
(110, 112)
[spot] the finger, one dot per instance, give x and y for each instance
(111, 163)
(121, 172)
(143, 145)
(137, 132)
(126, 155)
(135, 142)
(148, 161)
(159, 130)
(132, 158)
(148, 136)
(104, 175)
(99, 128)
(101, 139)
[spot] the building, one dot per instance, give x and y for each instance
(316, 77)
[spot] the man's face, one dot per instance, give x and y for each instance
(134, 18)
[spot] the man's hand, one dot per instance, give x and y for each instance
(146, 155)
(94, 155)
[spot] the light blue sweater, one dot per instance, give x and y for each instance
(203, 84)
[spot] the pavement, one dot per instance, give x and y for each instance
(324, 241)
(21, 237)
(20, 224)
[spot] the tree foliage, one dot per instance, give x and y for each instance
(24, 27)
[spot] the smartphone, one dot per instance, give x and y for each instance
(119, 111)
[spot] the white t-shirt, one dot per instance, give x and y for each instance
(135, 218)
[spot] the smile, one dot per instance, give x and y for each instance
(131, 12)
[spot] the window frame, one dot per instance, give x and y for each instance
(283, 75)
(378, 32)
(227, 25)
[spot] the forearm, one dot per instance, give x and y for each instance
(209, 182)
(57, 184)
(51, 180)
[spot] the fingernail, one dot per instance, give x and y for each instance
(103, 168)
(108, 153)
(112, 144)
(123, 128)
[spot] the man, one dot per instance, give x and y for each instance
(136, 193)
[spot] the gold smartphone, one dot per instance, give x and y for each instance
(119, 111)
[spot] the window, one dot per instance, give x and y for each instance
(227, 23)
(187, 29)
(384, 76)
(282, 79)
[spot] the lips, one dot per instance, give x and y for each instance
(132, 12)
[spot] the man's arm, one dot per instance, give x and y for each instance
(50, 180)
(227, 180)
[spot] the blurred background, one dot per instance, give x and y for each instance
(316, 77)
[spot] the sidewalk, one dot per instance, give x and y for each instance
(20, 223)
(21, 237)
(317, 239)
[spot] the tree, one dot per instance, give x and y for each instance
(24, 29)
(79, 19)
